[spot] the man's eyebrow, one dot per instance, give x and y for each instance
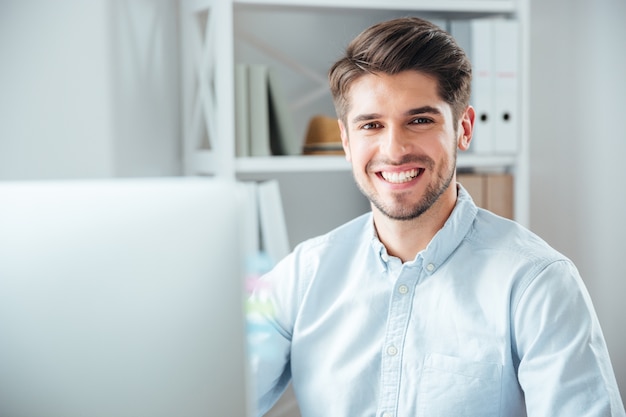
(364, 117)
(423, 109)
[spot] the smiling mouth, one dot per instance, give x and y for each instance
(401, 177)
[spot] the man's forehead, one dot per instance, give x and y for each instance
(406, 94)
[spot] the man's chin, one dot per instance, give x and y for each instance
(400, 212)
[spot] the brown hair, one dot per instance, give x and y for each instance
(407, 43)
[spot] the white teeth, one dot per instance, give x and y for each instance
(400, 177)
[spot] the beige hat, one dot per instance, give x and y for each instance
(323, 137)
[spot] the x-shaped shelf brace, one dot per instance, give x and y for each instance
(320, 81)
(203, 120)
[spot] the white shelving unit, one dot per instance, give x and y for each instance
(215, 34)
(318, 191)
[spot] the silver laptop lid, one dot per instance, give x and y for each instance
(121, 298)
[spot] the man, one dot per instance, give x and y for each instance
(428, 305)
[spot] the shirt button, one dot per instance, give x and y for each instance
(386, 414)
(403, 289)
(430, 267)
(392, 350)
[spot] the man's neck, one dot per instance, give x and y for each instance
(406, 238)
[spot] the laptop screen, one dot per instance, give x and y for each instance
(122, 298)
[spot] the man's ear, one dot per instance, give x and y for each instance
(466, 128)
(344, 140)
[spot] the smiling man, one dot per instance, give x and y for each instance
(401, 138)
(428, 305)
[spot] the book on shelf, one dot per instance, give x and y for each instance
(274, 238)
(250, 224)
(475, 37)
(264, 124)
(258, 111)
(506, 85)
(242, 125)
(282, 131)
(264, 229)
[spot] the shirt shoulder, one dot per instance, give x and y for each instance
(328, 251)
(509, 238)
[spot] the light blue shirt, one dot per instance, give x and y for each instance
(488, 320)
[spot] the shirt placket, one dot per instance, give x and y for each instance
(400, 304)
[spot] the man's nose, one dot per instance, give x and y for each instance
(396, 142)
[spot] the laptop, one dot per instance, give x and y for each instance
(122, 298)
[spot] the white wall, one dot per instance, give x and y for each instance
(48, 75)
(578, 148)
(88, 89)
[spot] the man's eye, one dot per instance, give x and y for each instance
(421, 120)
(370, 125)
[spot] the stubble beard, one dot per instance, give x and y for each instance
(401, 209)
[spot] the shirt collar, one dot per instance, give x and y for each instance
(450, 236)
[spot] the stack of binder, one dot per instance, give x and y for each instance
(492, 45)
(264, 223)
(263, 121)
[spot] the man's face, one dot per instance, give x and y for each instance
(401, 141)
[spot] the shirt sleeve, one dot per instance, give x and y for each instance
(564, 366)
(270, 316)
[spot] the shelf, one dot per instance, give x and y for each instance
(474, 6)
